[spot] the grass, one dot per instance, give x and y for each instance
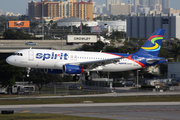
(43, 116)
(94, 99)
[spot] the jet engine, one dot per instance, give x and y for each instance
(72, 69)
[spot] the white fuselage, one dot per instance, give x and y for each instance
(55, 59)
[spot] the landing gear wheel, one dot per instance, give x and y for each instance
(88, 77)
(76, 78)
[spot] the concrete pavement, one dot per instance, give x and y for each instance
(118, 111)
(101, 95)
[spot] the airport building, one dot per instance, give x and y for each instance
(142, 26)
(173, 69)
(153, 5)
(70, 8)
(119, 9)
(165, 4)
(112, 25)
(171, 11)
(112, 2)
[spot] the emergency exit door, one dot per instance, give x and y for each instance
(31, 55)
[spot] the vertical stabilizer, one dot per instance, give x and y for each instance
(153, 44)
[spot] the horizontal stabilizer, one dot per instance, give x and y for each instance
(151, 61)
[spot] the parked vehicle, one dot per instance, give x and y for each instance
(18, 89)
(3, 90)
(31, 43)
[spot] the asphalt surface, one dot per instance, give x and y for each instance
(102, 95)
(118, 111)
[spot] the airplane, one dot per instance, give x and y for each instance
(80, 62)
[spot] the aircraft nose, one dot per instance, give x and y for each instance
(9, 60)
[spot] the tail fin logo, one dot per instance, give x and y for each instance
(153, 40)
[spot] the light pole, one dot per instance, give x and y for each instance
(4, 26)
(42, 20)
(23, 79)
(71, 26)
(137, 82)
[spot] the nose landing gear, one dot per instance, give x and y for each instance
(28, 69)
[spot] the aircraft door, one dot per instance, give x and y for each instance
(75, 58)
(30, 55)
(71, 57)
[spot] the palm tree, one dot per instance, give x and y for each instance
(34, 25)
(175, 51)
(51, 22)
(85, 28)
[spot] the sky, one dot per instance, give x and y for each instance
(19, 6)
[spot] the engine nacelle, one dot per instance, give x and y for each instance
(53, 71)
(72, 69)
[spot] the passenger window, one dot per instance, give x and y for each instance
(18, 54)
(15, 54)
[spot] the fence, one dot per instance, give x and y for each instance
(174, 88)
(90, 88)
(67, 90)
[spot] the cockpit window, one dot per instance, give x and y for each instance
(18, 54)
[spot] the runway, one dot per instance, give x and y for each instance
(118, 111)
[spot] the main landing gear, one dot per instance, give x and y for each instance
(88, 76)
(76, 78)
(79, 77)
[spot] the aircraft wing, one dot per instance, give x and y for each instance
(95, 64)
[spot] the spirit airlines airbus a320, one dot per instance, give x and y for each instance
(78, 62)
